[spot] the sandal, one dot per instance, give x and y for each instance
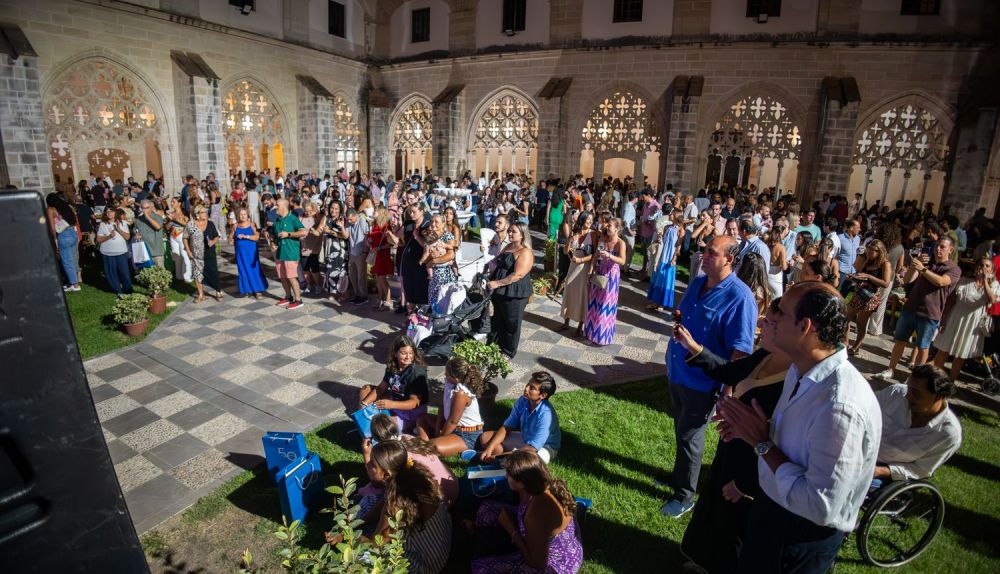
(199, 299)
(218, 297)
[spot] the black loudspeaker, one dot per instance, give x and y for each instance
(61, 508)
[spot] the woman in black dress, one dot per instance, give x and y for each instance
(510, 283)
(717, 528)
(413, 274)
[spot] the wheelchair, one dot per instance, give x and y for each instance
(898, 522)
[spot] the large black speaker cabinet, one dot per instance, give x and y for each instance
(61, 508)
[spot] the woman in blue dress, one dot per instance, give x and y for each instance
(661, 284)
(250, 273)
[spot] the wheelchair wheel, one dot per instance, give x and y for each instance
(900, 522)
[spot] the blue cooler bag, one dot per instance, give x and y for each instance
(488, 481)
(300, 488)
(282, 448)
(363, 418)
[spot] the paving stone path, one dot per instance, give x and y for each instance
(185, 410)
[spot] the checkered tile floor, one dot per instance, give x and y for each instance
(185, 410)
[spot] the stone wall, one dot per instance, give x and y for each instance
(25, 158)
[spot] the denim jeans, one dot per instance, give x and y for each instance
(784, 543)
(67, 242)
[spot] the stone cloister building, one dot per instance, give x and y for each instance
(889, 98)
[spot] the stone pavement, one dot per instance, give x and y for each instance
(185, 410)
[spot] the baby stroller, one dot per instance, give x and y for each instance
(437, 333)
(990, 384)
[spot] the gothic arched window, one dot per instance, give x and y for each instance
(620, 123)
(411, 137)
(347, 135)
(505, 135)
(249, 115)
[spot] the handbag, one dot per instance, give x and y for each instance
(343, 283)
(363, 418)
(140, 253)
(599, 281)
(370, 260)
(282, 448)
(300, 487)
(488, 481)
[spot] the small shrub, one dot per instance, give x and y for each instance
(550, 249)
(156, 280)
(490, 360)
(350, 553)
(130, 309)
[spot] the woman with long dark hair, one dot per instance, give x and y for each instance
(542, 527)
(874, 274)
(753, 273)
(510, 282)
(113, 236)
(403, 390)
(603, 284)
(555, 212)
(62, 225)
(459, 424)
(579, 249)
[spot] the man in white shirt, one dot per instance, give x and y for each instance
(816, 456)
(919, 431)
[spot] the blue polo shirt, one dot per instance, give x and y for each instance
(539, 428)
(722, 320)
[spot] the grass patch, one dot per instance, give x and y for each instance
(614, 442)
(90, 312)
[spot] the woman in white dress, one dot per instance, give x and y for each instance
(576, 292)
(966, 324)
(779, 262)
(178, 220)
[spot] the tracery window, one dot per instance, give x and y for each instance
(756, 125)
(346, 134)
(413, 127)
(907, 136)
(507, 122)
(620, 123)
(250, 115)
(97, 100)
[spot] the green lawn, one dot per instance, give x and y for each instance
(90, 313)
(614, 441)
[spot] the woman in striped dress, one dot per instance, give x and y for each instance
(602, 305)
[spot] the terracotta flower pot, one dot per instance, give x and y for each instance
(136, 329)
(158, 305)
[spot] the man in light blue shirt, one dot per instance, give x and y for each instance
(806, 224)
(752, 243)
(850, 240)
(532, 424)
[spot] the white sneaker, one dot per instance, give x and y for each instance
(885, 375)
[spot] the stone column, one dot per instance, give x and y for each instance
(836, 149)
(202, 147)
(448, 153)
(965, 183)
(316, 138)
(25, 161)
(552, 140)
(680, 150)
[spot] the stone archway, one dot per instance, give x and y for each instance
(621, 124)
(410, 133)
(503, 134)
(253, 125)
(901, 151)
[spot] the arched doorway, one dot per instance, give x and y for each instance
(253, 127)
(100, 118)
(504, 137)
(346, 134)
(901, 152)
(755, 142)
(411, 136)
(620, 126)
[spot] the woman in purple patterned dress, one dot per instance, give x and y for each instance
(602, 305)
(542, 526)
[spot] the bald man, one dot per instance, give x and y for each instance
(720, 312)
(288, 230)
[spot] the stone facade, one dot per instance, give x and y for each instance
(790, 71)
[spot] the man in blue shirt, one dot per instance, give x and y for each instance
(532, 424)
(850, 240)
(721, 314)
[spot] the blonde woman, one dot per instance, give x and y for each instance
(194, 245)
(873, 276)
(381, 241)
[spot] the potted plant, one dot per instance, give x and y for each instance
(540, 286)
(157, 281)
(549, 260)
(490, 361)
(132, 312)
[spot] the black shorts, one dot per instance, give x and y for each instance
(311, 263)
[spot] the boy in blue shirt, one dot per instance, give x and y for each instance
(532, 424)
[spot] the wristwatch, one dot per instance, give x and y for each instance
(763, 447)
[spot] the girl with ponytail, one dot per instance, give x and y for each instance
(420, 451)
(411, 488)
(458, 425)
(542, 527)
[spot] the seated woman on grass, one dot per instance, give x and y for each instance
(384, 430)
(542, 526)
(532, 424)
(403, 390)
(410, 487)
(458, 425)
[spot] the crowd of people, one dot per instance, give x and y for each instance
(761, 342)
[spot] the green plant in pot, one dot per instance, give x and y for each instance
(132, 312)
(157, 281)
(549, 260)
(490, 361)
(540, 286)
